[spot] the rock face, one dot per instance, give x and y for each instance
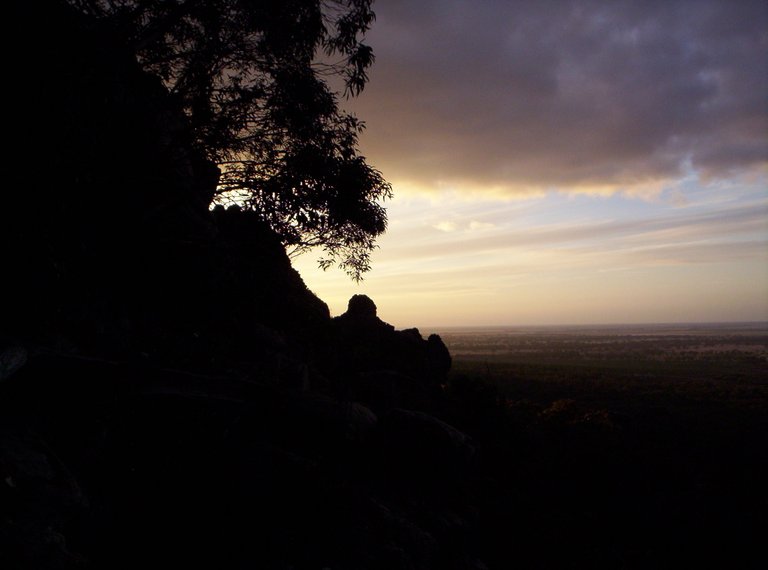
(106, 238)
(87, 225)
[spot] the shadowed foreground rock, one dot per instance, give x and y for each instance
(130, 464)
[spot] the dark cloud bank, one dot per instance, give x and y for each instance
(567, 93)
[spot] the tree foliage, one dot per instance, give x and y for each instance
(256, 81)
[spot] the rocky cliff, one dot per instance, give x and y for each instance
(169, 388)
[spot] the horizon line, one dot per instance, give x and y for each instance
(601, 325)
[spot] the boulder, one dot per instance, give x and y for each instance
(361, 307)
(328, 422)
(438, 357)
(40, 497)
(420, 450)
(11, 359)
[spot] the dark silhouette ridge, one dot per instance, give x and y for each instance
(170, 388)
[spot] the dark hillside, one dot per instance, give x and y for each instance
(106, 226)
(169, 388)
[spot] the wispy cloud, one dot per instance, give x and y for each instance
(475, 225)
(731, 224)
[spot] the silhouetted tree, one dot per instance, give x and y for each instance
(253, 78)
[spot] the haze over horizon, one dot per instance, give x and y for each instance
(569, 162)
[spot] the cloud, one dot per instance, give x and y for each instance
(472, 226)
(445, 226)
(581, 96)
(677, 230)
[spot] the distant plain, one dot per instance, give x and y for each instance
(723, 360)
(637, 446)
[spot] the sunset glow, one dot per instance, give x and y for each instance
(566, 162)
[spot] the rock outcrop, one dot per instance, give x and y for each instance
(383, 367)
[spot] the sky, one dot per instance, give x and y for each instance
(566, 162)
